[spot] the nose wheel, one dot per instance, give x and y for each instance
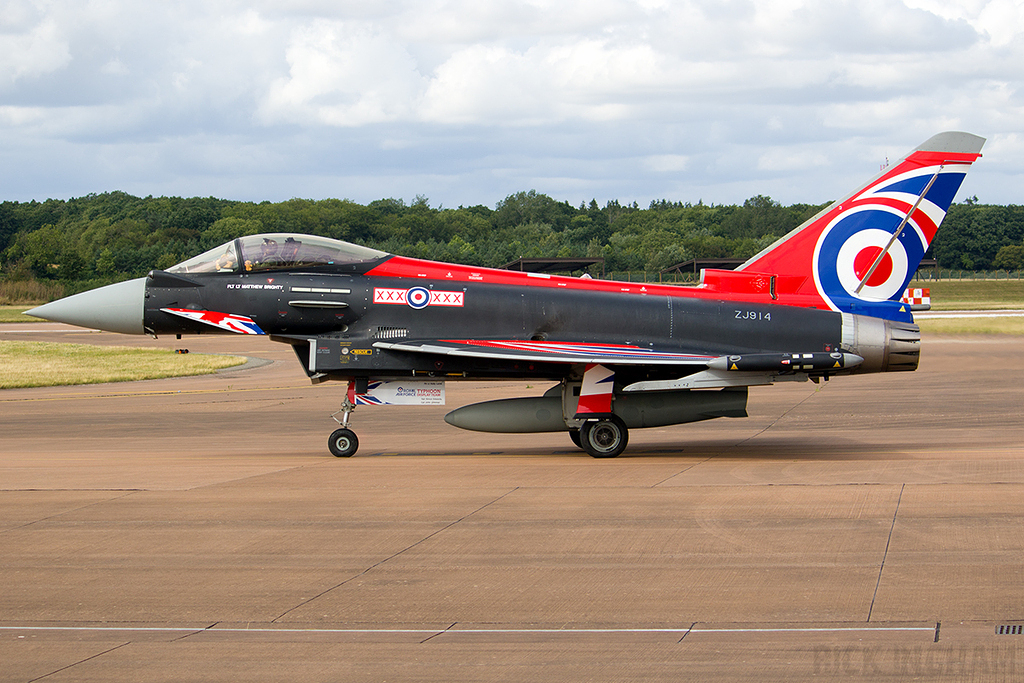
(343, 442)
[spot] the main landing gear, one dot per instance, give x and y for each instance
(343, 442)
(604, 438)
(600, 437)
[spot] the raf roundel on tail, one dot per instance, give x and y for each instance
(868, 246)
(822, 302)
(872, 249)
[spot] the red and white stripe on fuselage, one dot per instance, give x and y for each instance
(859, 253)
(434, 271)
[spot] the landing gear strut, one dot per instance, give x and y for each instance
(587, 411)
(343, 442)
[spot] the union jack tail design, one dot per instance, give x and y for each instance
(225, 321)
(859, 254)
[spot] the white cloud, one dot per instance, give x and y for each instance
(343, 74)
(42, 49)
(476, 100)
(17, 117)
(667, 163)
(1003, 20)
(115, 67)
(791, 159)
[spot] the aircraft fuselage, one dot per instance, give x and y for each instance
(341, 317)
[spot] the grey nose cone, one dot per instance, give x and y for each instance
(114, 308)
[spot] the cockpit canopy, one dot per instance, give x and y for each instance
(278, 251)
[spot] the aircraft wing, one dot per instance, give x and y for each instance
(547, 351)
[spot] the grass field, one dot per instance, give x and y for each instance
(44, 364)
(16, 314)
(29, 292)
(972, 326)
(970, 295)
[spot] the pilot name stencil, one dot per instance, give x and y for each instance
(254, 286)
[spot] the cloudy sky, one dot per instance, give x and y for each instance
(467, 101)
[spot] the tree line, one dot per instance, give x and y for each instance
(113, 236)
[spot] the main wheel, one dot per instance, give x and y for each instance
(604, 438)
(574, 436)
(343, 443)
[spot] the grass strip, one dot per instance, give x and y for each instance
(1013, 326)
(46, 364)
(974, 295)
(16, 314)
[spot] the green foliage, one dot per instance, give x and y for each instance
(530, 207)
(28, 291)
(972, 235)
(227, 229)
(1010, 257)
(113, 236)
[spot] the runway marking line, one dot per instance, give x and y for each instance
(455, 630)
(136, 394)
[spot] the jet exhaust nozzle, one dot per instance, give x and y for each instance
(885, 345)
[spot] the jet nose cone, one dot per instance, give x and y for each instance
(114, 308)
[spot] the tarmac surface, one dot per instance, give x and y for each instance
(197, 529)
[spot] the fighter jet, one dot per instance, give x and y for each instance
(822, 302)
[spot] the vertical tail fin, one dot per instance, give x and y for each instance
(864, 249)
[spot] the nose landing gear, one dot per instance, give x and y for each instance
(343, 442)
